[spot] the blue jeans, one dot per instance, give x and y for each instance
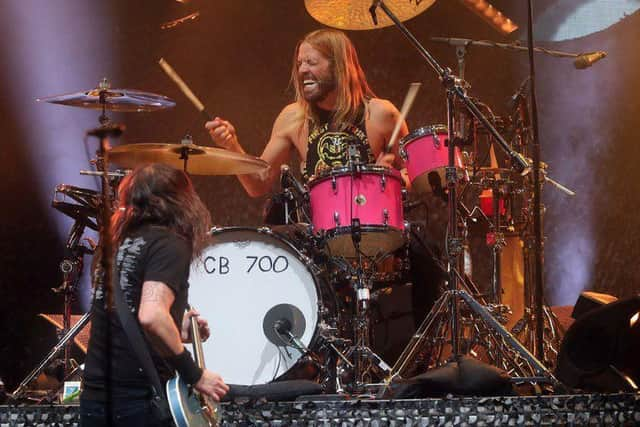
(124, 413)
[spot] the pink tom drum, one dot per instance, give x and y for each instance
(426, 156)
(371, 194)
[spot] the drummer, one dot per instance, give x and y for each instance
(334, 109)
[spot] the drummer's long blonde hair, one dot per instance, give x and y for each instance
(351, 83)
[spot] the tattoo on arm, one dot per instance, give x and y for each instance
(151, 292)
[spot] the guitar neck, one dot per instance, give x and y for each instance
(198, 354)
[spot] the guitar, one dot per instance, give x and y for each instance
(188, 407)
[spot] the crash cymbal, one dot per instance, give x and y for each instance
(121, 100)
(200, 160)
(354, 14)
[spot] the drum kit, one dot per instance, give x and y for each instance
(294, 300)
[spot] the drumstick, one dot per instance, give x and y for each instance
(184, 88)
(406, 106)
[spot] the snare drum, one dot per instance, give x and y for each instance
(370, 194)
(246, 281)
(426, 155)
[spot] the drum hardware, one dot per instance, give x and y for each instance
(50, 358)
(525, 327)
(90, 204)
(360, 364)
(71, 268)
(85, 212)
(449, 301)
(293, 191)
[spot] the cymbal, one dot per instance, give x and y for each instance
(121, 100)
(354, 14)
(200, 160)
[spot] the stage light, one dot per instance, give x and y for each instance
(491, 15)
(571, 19)
(634, 319)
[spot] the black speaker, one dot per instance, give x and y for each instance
(599, 352)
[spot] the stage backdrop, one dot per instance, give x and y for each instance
(237, 56)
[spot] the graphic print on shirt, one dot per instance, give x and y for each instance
(329, 149)
(128, 255)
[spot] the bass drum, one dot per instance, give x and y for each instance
(248, 284)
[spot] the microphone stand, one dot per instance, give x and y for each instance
(464, 43)
(537, 208)
(454, 89)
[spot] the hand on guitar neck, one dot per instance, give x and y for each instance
(196, 409)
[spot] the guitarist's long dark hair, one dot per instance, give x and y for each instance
(160, 195)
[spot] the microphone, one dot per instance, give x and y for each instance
(283, 327)
(586, 60)
(288, 180)
(512, 103)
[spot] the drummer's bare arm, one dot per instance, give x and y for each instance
(383, 116)
(275, 153)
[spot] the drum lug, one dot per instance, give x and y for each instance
(265, 230)
(383, 182)
(404, 194)
(336, 218)
(385, 217)
(436, 140)
(334, 184)
(403, 154)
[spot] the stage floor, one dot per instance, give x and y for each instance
(553, 410)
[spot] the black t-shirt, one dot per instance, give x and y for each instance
(151, 253)
(330, 145)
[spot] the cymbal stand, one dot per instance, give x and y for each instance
(495, 239)
(525, 327)
(49, 358)
(455, 90)
(71, 268)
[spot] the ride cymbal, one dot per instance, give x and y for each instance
(120, 100)
(194, 159)
(355, 15)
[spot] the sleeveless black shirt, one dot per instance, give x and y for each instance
(329, 144)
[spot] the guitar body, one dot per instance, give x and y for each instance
(185, 406)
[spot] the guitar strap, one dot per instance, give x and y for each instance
(134, 333)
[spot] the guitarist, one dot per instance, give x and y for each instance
(160, 226)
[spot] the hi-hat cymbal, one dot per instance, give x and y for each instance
(354, 14)
(121, 100)
(200, 160)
